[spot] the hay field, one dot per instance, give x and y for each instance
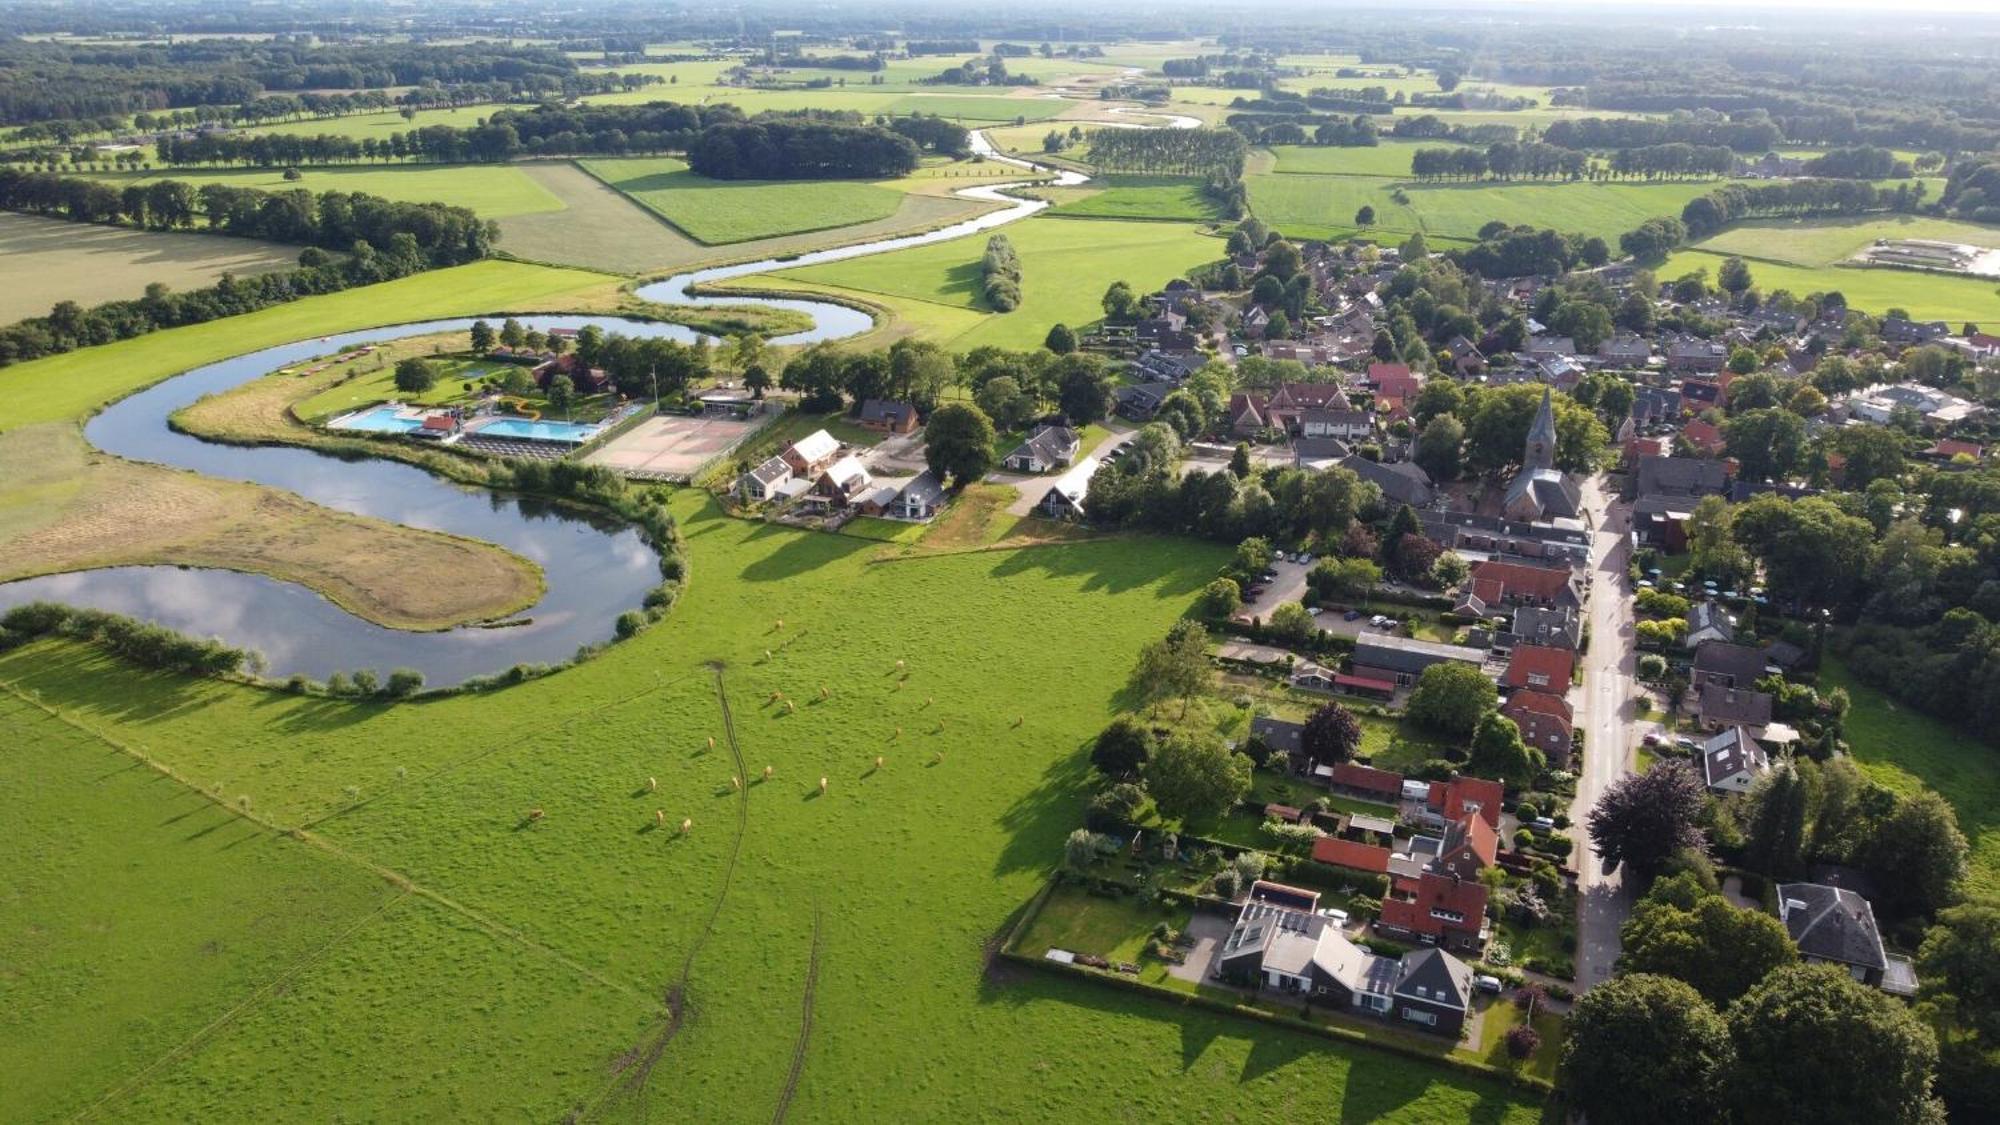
(43, 261)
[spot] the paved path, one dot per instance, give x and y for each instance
(1033, 487)
(1606, 712)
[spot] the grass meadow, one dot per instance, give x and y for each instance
(1827, 242)
(1311, 205)
(547, 946)
(1927, 296)
(43, 261)
(1066, 265)
(1172, 198)
(725, 211)
(1904, 750)
(1388, 158)
(492, 190)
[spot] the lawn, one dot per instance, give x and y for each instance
(439, 795)
(1113, 928)
(65, 386)
(724, 211)
(1927, 296)
(1177, 198)
(493, 191)
(1501, 1016)
(1066, 266)
(1903, 749)
(1826, 242)
(43, 261)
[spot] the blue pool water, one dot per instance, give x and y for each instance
(381, 420)
(569, 433)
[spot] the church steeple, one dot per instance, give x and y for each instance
(1541, 450)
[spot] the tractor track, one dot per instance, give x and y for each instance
(805, 1027)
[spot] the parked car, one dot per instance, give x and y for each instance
(1543, 824)
(1353, 615)
(1487, 984)
(1380, 622)
(1650, 740)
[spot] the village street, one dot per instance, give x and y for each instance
(1606, 714)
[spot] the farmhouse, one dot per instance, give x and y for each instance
(887, 416)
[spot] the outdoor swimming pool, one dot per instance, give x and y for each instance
(524, 429)
(385, 419)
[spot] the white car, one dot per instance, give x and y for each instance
(1379, 621)
(1487, 984)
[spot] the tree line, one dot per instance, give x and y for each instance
(1502, 161)
(1000, 274)
(1185, 152)
(1755, 135)
(778, 149)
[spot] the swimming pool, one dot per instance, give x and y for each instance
(524, 429)
(380, 420)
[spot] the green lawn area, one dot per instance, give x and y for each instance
(1902, 749)
(1825, 242)
(975, 108)
(1928, 296)
(1066, 265)
(1501, 1016)
(1309, 206)
(1178, 198)
(64, 386)
(1388, 158)
(883, 530)
(493, 191)
(1113, 928)
(724, 211)
(1393, 744)
(380, 126)
(371, 386)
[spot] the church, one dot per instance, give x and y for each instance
(1540, 492)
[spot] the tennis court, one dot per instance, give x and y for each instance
(672, 446)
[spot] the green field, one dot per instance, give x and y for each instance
(1176, 198)
(724, 211)
(546, 947)
(64, 386)
(1928, 296)
(1906, 750)
(44, 260)
(361, 126)
(1826, 242)
(1066, 265)
(1389, 158)
(492, 190)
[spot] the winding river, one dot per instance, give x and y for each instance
(596, 568)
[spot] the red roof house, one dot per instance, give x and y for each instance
(1545, 720)
(1520, 583)
(1352, 854)
(1461, 796)
(1367, 781)
(1540, 667)
(1470, 846)
(1702, 435)
(1438, 908)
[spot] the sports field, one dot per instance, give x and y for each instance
(671, 446)
(548, 946)
(725, 211)
(1066, 265)
(43, 261)
(491, 190)
(1927, 296)
(1826, 242)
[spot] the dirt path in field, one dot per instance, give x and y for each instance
(77, 509)
(805, 1027)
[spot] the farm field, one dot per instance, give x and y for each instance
(1317, 205)
(64, 386)
(1389, 158)
(1928, 296)
(1065, 265)
(725, 211)
(1177, 198)
(523, 928)
(1826, 242)
(493, 191)
(1904, 749)
(45, 260)
(362, 126)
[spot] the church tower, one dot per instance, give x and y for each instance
(1541, 450)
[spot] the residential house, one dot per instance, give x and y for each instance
(763, 482)
(1550, 347)
(811, 453)
(888, 416)
(1401, 482)
(1365, 782)
(1547, 723)
(1718, 707)
(1252, 412)
(1690, 354)
(1064, 499)
(1898, 330)
(1625, 351)
(1319, 454)
(1549, 627)
(1138, 402)
(1945, 449)
(1471, 845)
(1835, 926)
(1447, 802)
(1703, 435)
(1699, 394)
(1654, 405)
(1708, 621)
(1400, 660)
(1933, 407)
(1728, 665)
(1156, 366)
(1496, 537)
(1731, 761)
(1497, 583)
(1667, 489)
(1351, 855)
(1436, 909)
(1433, 991)
(1539, 668)
(918, 500)
(1463, 357)
(1348, 425)
(1049, 447)
(842, 483)
(1280, 735)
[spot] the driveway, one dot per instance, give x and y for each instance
(1033, 487)
(1289, 587)
(1207, 932)
(1606, 712)
(897, 455)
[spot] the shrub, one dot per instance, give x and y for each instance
(630, 623)
(1522, 1041)
(403, 682)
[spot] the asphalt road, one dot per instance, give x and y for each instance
(1609, 719)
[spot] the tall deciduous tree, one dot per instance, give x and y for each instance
(1684, 931)
(1814, 1044)
(1175, 666)
(1645, 818)
(1646, 1050)
(1452, 698)
(958, 443)
(1194, 777)
(1122, 748)
(1331, 734)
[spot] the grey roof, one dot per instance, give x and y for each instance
(887, 411)
(1407, 654)
(1681, 476)
(1652, 403)
(1557, 627)
(1436, 977)
(924, 487)
(774, 469)
(1831, 924)
(1552, 345)
(1049, 444)
(1784, 654)
(1302, 944)
(1706, 616)
(1556, 496)
(1741, 663)
(1279, 734)
(1319, 449)
(1625, 347)
(1401, 481)
(1721, 704)
(1729, 753)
